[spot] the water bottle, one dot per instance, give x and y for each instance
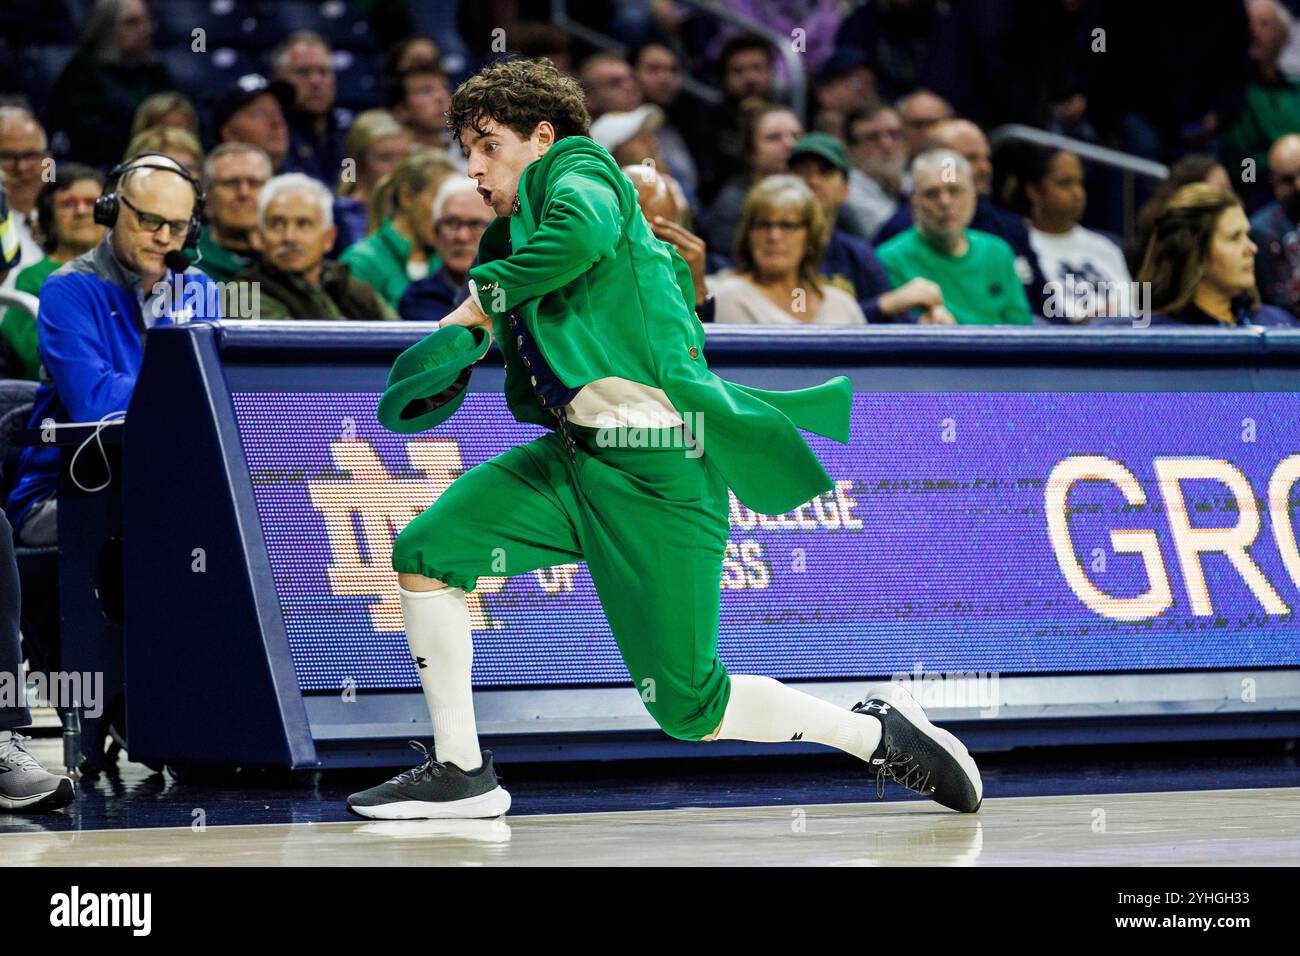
(72, 739)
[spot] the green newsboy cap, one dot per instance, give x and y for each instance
(428, 381)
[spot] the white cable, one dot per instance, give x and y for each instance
(109, 419)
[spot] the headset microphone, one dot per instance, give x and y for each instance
(176, 261)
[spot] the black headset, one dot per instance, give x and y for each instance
(107, 206)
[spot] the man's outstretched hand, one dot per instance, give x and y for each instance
(468, 314)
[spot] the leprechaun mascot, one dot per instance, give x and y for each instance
(595, 319)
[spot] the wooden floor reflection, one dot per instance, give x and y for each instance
(1229, 827)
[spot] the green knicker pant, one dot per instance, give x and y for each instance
(652, 525)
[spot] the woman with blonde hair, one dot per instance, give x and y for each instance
(375, 144)
(779, 244)
(174, 141)
(166, 109)
(1200, 263)
(400, 248)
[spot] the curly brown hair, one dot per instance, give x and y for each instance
(519, 94)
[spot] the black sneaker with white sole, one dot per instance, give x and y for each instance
(435, 791)
(24, 783)
(918, 755)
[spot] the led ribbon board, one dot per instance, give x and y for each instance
(1007, 532)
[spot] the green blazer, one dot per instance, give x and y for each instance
(605, 297)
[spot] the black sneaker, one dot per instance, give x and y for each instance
(434, 791)
(915, 753)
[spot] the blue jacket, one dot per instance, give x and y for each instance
(90, 331)
(432, 298)
(854, 264)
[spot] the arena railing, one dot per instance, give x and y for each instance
(1129, 166)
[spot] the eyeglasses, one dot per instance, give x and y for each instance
(151, 223)
(453, 226)
(72, 203)
(15, 159)
(764, 225)
(234, 182)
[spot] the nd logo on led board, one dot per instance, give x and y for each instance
(1189, 543)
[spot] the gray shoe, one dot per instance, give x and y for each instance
(24, 783)
(434, 791)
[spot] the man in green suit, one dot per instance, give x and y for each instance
(595, 319)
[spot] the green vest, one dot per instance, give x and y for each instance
(380, 259)
(605, 298)
(219, 263)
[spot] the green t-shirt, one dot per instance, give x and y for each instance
(979, 288)
(380, 259)
(220, 264)
(18, 327)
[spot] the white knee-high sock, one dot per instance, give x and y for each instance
(438, 632)
(764, 710)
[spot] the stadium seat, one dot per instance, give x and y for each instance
(204, 77)
(343, 26)
(357, 80)
(238, 23)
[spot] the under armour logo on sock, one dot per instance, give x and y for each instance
(420, 664)
(798, 736)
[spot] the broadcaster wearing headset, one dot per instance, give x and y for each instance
(94, 312)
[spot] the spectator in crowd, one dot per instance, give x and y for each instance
(608, 84)
(408, 51)
(968, 140)
(878, 153)
(850, 263)
(402, 246)
(1195, 168)
(459, 220)
(23, 162)
(293, 279)
(93, 314)
(114, 70)
(315, 131)
(745, 68)
(252, 111)
(1272, 99)
(180, 144)
(778, 256)
(663, 203)
(233, 177)
(1275, 229)
(844, 83)
(815, 20)
(24, 784)
(921, 111)
(65, 214)
(974, 270)
(1201, 264)
(1085, 270)
(634, 138)
(419, 97)
(166, 109)
(375, 144)
(533, 41)
(658, 72)
(770, 133)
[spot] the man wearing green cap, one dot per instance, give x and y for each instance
(821, 161)
(595, 320)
